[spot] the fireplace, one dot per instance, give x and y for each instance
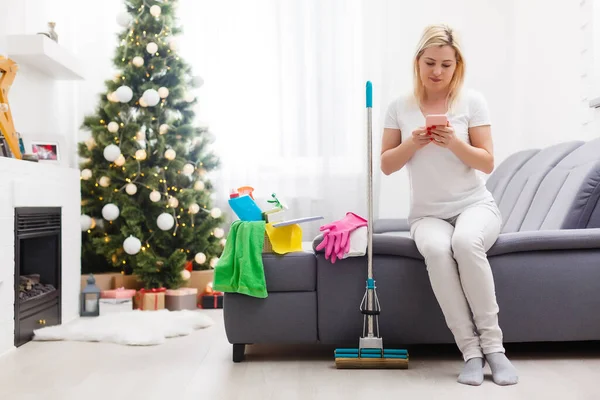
(37, 270)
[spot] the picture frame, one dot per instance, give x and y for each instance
(47, 151)
(51, 148)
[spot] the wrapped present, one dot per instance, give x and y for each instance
(151, 299)
(212, 300)
(181, 299)
(115, 305)
(119, 293)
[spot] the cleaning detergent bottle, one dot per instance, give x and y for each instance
(245, 207)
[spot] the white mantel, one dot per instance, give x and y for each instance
(28, 184)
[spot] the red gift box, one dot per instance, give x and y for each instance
(151, 299)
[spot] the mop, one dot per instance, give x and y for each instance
(370, 352)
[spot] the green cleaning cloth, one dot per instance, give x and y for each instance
(240, 268)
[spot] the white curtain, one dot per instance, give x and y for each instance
(284, 95)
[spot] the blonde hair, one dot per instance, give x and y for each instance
(439, 35)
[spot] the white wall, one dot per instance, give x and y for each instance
(590, 31)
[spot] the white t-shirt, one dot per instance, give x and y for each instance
(441, 184)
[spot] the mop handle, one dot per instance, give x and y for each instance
(370, 180)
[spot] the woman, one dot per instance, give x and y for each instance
(453, 217)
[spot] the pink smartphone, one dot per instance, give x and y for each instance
(436, 119)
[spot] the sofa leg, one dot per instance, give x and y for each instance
(239, 350)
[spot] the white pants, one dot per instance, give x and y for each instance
(461, 277)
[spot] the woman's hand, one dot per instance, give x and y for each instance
(443, 136)
(421, 137)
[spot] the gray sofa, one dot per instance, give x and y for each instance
(546, 266)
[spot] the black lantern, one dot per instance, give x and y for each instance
(90, 299)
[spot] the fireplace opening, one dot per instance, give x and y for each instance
(37, 270)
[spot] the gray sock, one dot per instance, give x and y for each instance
(503, 372)
(472, 373)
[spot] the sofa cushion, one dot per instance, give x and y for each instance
(502, 175)
(519, 193)
(568, 195)
(292, 272)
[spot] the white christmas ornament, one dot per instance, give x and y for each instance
(198, 81)
(151, 97)
(214, 261)
(188, 169)
(113, 127)
(86, 222)
(112, 152)
(154, 196)
(143, 102)
(170, 154)
(141, 135)
(86, 174)
(164, 128)
(189, 97)
(120, 161)
(131, 189)
(163, 92)
(124, 94)
(219, 232)
(155, 11)
(137, 61)
(110, 212)
(132, 245)
(124, 19)
(112, 97)
(104, 181)
(200, 258)
(194, 208)
(165, 221)
(199, 185)
(140, 155)
(215, 212)
(223, 242)
(173, 202)
(151, 47)
(185, 274)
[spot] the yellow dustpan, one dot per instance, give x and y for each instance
(285, 239)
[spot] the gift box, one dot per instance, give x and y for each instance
(211, 300)
(119, 293)
(116, 305)
(181, 299)
(151, 299)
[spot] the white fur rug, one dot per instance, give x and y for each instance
(134, 328)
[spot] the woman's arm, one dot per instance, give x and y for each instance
(480, 153)
(394, 153)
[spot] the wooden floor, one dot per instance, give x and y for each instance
(199, 367)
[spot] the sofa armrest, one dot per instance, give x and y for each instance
(391, 225)
(562, 239)
(386, 244)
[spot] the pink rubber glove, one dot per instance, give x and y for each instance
(336, 236)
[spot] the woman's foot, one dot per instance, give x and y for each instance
(472, 373)
(503, 372)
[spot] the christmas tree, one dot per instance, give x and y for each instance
(146, 205)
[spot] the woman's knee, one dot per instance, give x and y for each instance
(466, 243)
(436, 249)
